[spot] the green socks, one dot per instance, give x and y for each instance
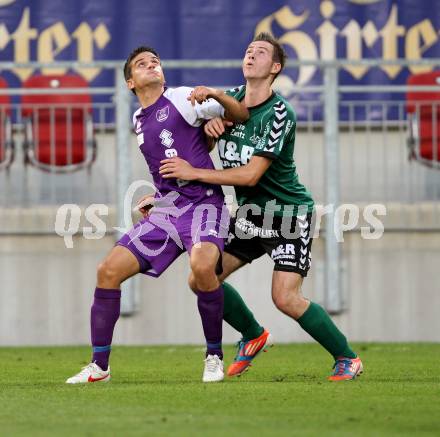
(320, 326)
(238, 315)
(315, 321)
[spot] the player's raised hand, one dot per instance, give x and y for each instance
(215, 127)
(145, 204)
(200, 94)
(177, 168)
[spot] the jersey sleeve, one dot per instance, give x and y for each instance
(194, 115)
(278, 130)
(137, 127)
(135, 115)
(209, 109)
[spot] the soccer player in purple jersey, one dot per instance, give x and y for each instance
(257, 158)
(186, 216)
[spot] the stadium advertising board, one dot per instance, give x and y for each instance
(48, 31)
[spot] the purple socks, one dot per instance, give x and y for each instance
(210, 304)
(105, 313)
(103, 317)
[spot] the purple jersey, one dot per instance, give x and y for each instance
(189, 212)
(173, 127)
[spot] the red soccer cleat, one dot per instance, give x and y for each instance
(346, 369)
(247, 351)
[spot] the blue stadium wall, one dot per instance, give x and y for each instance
(87, 30)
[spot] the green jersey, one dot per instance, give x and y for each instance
(269, 132)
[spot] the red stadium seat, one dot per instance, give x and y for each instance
(423, 108)
(59, 129)
(6, 144)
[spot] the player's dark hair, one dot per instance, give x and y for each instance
(279, 54)
(131, 56)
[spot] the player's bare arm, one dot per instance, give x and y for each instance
(234, 110)
(246, 175)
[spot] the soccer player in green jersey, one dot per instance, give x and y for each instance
(275, 210)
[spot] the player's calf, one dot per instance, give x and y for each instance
(210, 301)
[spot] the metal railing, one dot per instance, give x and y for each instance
(342, 157)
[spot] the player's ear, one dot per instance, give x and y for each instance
(276, 68)
(130, 84)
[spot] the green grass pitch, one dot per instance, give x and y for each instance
(158, 391)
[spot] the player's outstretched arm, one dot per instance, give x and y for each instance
(234, 110)
(246, 175)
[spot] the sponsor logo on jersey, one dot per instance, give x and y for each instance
(232, 156)
(181, 182)
(166, 138)
(249, 228)
(162, 114)
(254, 138)
(282, 251)
(238, 131)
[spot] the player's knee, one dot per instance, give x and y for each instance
(201, 270)
(288, 300)
(107, 273)
(281, 301)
